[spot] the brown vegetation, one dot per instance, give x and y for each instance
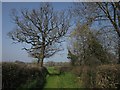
(108, 76)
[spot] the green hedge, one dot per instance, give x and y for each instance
(14, 75)
(108, 76)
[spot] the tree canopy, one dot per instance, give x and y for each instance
(41, 28)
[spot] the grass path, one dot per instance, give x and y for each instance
(67, 80)
(52, 82)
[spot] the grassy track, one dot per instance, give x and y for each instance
(66, 80)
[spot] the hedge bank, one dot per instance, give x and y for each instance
(108, 76)
(14, 75)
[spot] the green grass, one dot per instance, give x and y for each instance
(66, 80)
(52, 70)
(52, 82)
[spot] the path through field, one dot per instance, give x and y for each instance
(66, 80)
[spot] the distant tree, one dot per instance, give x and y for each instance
(73, 58)
(42, 29)
(51, 63)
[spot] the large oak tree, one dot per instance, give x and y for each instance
(41, 28)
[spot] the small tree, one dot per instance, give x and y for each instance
(42, 29)
(73, 58)
(86, 47)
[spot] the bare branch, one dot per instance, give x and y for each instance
(42, 29)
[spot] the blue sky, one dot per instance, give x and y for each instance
(0, 31)
(12, 52)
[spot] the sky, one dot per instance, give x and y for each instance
(0, 31)
(59, 0)
(13, 52)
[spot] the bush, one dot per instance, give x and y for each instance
(65, 69)
(88, 76)
(108, 76)
(77, 70)
(14, 75)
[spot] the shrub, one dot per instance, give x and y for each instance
(65, 69)
(77, 70)
(108, 76)
(14, 74)
(88, 75)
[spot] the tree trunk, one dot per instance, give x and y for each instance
(117, 4)
(41, 64)
(43, 49)
(40, 60)
(119, 50)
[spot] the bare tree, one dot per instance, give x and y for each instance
(111, 11)
(106, 13)
(42, 29)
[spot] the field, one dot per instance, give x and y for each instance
(64, 80)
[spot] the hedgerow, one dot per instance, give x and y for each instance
(14, 75)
